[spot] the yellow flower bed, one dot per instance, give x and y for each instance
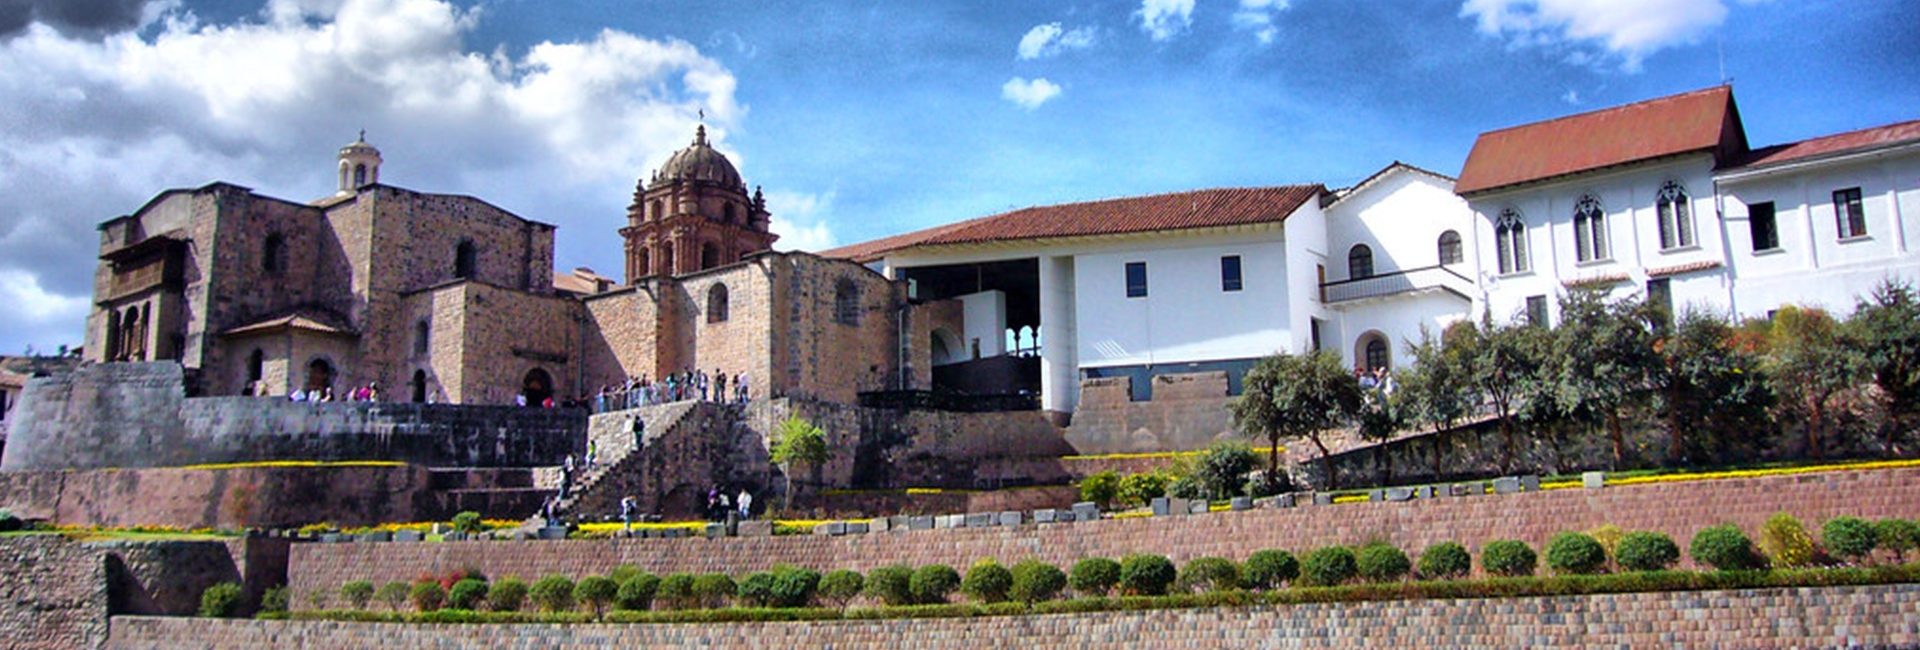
(1160, 454)
(296, 463)
(1756, 473)
(608, 527)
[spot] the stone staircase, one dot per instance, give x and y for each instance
(619, 457)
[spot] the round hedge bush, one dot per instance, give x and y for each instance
(596, 592)
(1209, 574)
(507, 595)
(1848, 538)
(1898, 536)
(714, 590)
(794, 586)
(621, 574)
(841, 586)
(1723, 547)
(676, 591)
(1035, 581)
(1646, 551)
(222, 600)
(636, 594)
(1445, 561)
(468, 593)
(1381, 563)
(394, 594)
(1101, 488)
(931, 584)
(274, 599)
(1146, 575)
(357, 593)
(427, 596)
(1508, 557)
(891, 585)
(756, 590)
(987, 582)
(1094, 576)
(1328, 566)
(1270, 568)
(1571, 553)
(1786, 542)
(553, 593)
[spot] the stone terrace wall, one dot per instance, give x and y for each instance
(1880, 616)
(1678, 509)
(136, 415)
(1188, 411)
(261, 497)
(57, 593)
(53, 594)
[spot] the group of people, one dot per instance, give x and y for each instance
(689, 384)
(719, 508)
(1378, 379)
(366, 393)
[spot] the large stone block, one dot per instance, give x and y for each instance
(1009, 518)
(1593, 480)
(1506, 485)
(979, 519)
(1086, 511)
(920, 522)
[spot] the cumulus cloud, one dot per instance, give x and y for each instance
(1051, 39)
(1257, 16)
(1630, 30)
(1029, 94)
(800, 219)
(96, 125)
(1165, 19)
(80, 18)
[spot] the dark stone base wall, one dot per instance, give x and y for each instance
(58, 593)
(1833, 617)
(261, 497)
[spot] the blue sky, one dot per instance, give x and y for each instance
(861, 119)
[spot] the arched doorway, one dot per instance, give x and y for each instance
(946, 347)
(1372, 352)
(537, 386)
(419, 386)
(319, 375)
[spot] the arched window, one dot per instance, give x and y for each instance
(709, 255)
(644, 266)
(666, 259)
(273, 254)
(659, 209)
(1676, 219)
(419, 386)
(1589, 230)
(536, 386)
(420, 331)
(846, 302)
(319, 375)
(1359, 262)
(717, 303)
(256, 365)
(1450, 252)
(1510, 239)
(1378, 356)
(359, 175)
(113, 336)
(464, 259)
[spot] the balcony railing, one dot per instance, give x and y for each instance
(1387, 284)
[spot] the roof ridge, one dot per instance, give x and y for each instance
(1615, 108)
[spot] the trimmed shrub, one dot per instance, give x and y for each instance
(321, 599)
(1100, 488)
(1508, 557)
(427, 596)
(1381, 562)
(756, 590)
(931, 584)
(507, 595)
(1222, 469)
(676, 591)
(1848, 538)
(841, 586)
(714, 590)
(794, 586)
(891, 585)
(468, 521)
(1035, 581)
(553, 593)
(1786, 542)
(467, 594)
(1576, 554)
(1646, 551)
(1897, 536)
(1445, 561)
(1270, 568)
(596, 592)
(274, 600)
(621, 574)
(1139, 489)
(221, 600)
(1094, 576)
(1328, 566)
(636, 594)
(357, 593)
(1608, 535)
(394, 594)
(1146, 575)
(1209, 574)
(987, 582)
(1187, 486)
(1723, 547)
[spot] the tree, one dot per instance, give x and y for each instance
(1602, 357)
(1886, 329)
(799, 441)
(1497, 364)
(1223, 468)
(1434, 392)
(1712, 391)
(1806, 366)
(1297, 396)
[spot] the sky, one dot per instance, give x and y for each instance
(859, 118)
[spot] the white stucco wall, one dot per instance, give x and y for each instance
(985, 321)
(1400, 216)
(1185, 316)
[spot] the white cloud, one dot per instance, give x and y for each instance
(1571, 97)
(1029, 94)
(96, 124)
(1051, 39)
(1165, 19)
(1629, 29)
(800, 219)
(1257, 16)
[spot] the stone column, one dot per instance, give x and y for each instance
(1059, 366)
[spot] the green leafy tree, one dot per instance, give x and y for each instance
(931, 584)
(987, 582)
(427, 596)
(1499, 366)
(1807, 365)
(1271, 568)
(1297, 396)
(1885, 328)
(596, 592)
(394, 594)
(221, 600)
(1101, 488)
(1094, 576)
(1035, 581)
(1223, 467)
(841, 586)
(1602, 358)
(553, 593)
(357, 593)
(798, 441)
(507, 595)
(1713, 392)
(1435, 391)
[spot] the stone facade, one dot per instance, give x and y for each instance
(256, 497)
(52, 595)
(1187, 411)
(58, 593)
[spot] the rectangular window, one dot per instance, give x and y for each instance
(1537, 311)
(1766, 235)
(1136, 279)
(1660, 298)
(1314, 327)
(1849, 214)
(1230, 273)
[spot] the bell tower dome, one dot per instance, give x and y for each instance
(359, 165)
(693, 214)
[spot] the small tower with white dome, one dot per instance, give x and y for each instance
(359, 165)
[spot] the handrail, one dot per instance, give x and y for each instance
(1425, 277)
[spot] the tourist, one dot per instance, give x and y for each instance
(713, 503)
(520, 399)
(297, 396)
(740, 387)
(373, 391)
(745, 503)
(726, 507)
(326, 395)
(700, 379)
(639, 432)
(593, 453)
(719, 385)
(626, 513)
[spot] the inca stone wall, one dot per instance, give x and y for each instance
(1832, 617)
(58, 593)
(1188, 412)
(53, 594)
(259, 497)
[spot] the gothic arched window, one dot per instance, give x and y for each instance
(1510, 240)
(1676, 219)
(1589, 230)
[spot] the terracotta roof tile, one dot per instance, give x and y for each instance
(1678, 269)
(1175, 211)
(296, 321)
(1861, 140)
(1702, 120)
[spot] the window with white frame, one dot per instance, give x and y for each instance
(1510, 238)
(1589, 230)
(1676, 218)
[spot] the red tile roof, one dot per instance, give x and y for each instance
(1175, 211)
(1861, 140)
(1702, 120)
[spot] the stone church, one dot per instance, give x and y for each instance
(447, 298)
